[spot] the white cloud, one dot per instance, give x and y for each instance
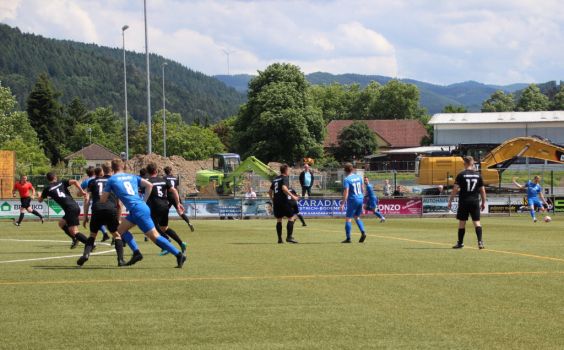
(8, 9)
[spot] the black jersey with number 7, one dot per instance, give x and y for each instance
(470, 182)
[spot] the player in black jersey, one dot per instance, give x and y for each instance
(470, 187)
(158, 202)
(280, 195)
(58, 191)
(102, 214)
(175, 182)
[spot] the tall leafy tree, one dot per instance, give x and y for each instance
(45, 115)
(355, 142)
(396, 100)
(499, 101)
(532, 99)
(279, 122)
(558, 102)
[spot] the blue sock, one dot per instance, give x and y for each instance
(103, 229)
(127, 237)
(348, 227)
(360, 225)
(163, 243)
(378, 214)
(532, 212)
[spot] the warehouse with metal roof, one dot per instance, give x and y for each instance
(490, 128)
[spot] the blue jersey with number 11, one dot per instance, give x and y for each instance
(126, 187)
(354, 183)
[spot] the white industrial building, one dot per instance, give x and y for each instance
(491, 128)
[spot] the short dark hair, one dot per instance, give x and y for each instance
(117, 165)
(50, 176)
(98, 171)
(107, 168)
(90, 171)
(152, 168)
(348, 168)
(468, 160)
(167, 170)
(143, 172)
(283, 168)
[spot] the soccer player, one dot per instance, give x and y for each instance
(470, 187)
(280, 195)
(84, 186)
(372, 200)
(534, 191)
(23, 187)
(353, 196)
(174, 183)
(158, 202)
(125, 187)
(102, 214)
(295, 207)
(59, 192)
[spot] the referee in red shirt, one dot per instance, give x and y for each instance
(23, 187)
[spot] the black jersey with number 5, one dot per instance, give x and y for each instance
(159, 192)
(470, 182)
(59, 192)
(276, 187)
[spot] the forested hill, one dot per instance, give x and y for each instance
(95, 74)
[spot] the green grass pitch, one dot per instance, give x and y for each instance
(405, 288)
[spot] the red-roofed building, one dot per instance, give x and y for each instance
(94, 154)
(390, 134)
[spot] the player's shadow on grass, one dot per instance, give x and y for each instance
(93, 267)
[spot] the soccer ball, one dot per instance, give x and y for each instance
(547, 219)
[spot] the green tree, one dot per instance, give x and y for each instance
(558, 102)
(499, 101)
(454, 109)
(106, 129)
(532, 99)
(279, 122)
(396, 100)
(45, 116)
(355, 142)
(224, 130)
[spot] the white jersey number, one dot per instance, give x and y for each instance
(471, 184)
(128, 188)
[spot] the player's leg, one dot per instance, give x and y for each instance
(105, 235)
(290, 229)
(127, 238)
(357, 212)
(95, 224)
(475, 214)
(21, 217)
(34, 212)
(112, 224)
(173, 235)
(348, 228)
(532, 203)
(184, 217)
(462, 215)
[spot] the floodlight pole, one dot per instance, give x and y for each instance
(149, 126)
(123, 29)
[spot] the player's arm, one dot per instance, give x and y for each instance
(271, 193)
(42, 195)
(483, 195)
(288, 193)
(541, 196)
(76, 184)
(148, 188)
(32, 192)
(453, 194)
(106, 192)
(14, 190)
(517, 184)
(345, 197)
(179, 206)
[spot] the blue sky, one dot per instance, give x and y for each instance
(497, 42)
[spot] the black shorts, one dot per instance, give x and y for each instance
(26, 202)
(466, 209)
(283, 209)
(71, 215)
(159, 214)
(104, 217)
(295, 207)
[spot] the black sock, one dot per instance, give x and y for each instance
(81, 238)
(290, 229)
(301, 219)
(89, 245)
(67, 232)
(36, 213)
(21, 218)
(479, 233)
(161, 232)
(172, 234)
(279, 230)
(185, 218)
(461, 232)
(118, 244)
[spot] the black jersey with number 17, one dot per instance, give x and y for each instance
(276, 187)
(470, 182)
(96, 188)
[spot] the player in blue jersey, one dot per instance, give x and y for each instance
(84, 186)
(353, 196)
(125, 187)
(372, 200)
(534, 192)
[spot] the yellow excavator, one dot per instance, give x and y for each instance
(441, 170)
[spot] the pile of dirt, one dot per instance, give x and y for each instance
(185, 169)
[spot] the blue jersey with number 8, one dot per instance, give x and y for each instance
(126, 187)
(354, 183)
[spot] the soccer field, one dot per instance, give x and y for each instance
(403, 288)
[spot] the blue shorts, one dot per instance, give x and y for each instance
(534, 201)
(354, 207)
(140, 215)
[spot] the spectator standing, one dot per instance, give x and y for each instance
(306, 180)
(387, 188)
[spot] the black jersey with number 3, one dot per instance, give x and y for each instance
(276, 187)
(470, 182)
(59, 192)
